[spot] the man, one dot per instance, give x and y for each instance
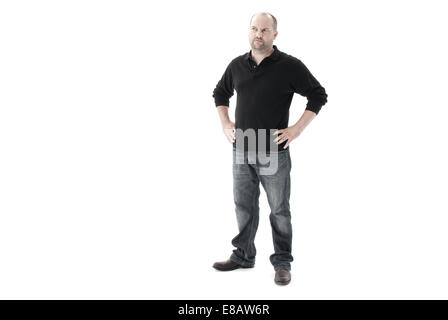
(265, 80)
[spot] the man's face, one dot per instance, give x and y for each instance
(261, 33)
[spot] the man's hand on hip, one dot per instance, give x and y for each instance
(288, 134)
(229, 130)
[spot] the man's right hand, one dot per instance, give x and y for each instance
(229, 130)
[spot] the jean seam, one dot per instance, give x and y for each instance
(253, 219)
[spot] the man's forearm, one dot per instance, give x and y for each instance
(305, 119)
(223, 112)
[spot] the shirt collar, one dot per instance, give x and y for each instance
(274, 55)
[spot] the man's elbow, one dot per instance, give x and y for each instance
(316, 101)
(221, 98)
(318, 97)
(221, 101)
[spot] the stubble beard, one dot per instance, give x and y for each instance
(259, 46)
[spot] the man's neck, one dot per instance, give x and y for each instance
(259, 56)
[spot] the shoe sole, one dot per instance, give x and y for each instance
(282, 283)
(230, 269)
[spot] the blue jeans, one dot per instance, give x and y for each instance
(249, 169)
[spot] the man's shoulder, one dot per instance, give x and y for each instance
(290, 58)
(293, 63)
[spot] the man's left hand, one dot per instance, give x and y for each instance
(288, 134)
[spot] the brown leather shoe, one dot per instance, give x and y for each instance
(282, 277)
(227, 265)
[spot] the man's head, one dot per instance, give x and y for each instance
(263, 27)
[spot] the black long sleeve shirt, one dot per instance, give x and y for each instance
(265, 91)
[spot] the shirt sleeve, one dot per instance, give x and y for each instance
(305, 84)
(224, 89)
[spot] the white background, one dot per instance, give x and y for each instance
(115, 176)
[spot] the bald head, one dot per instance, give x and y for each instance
(262, 32)
(266, 15)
